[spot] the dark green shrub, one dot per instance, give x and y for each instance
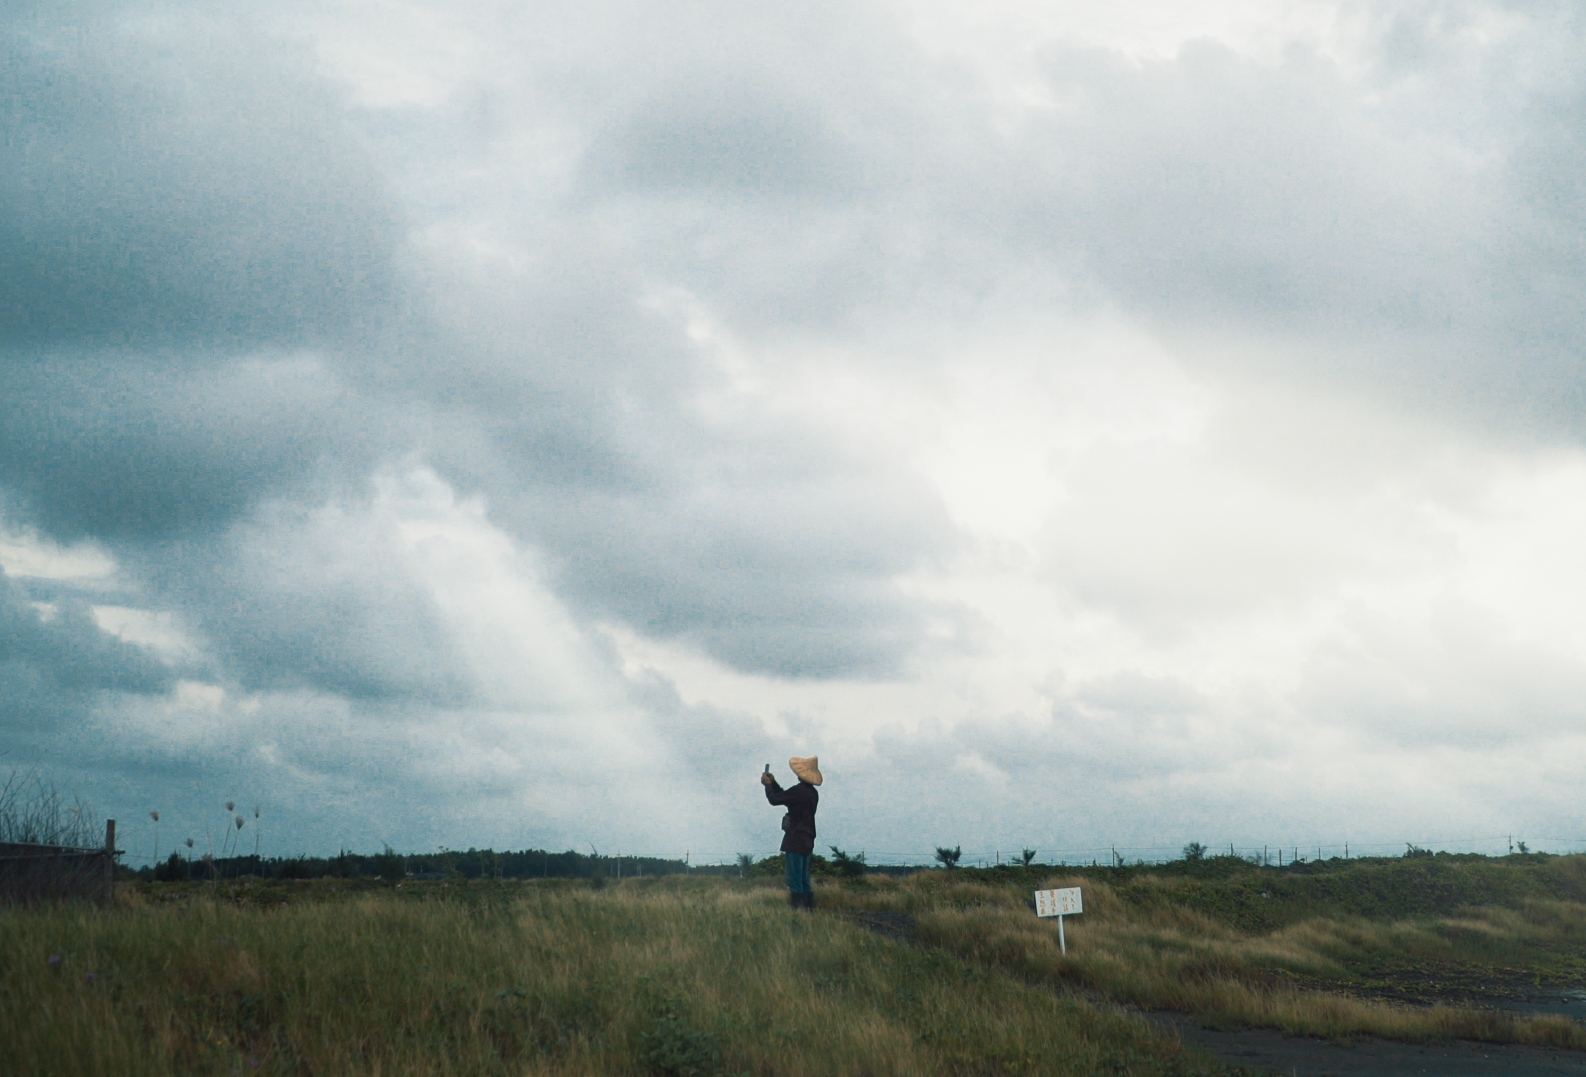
(845, 866)
(294, 869)
(173, 869)
(390, 865)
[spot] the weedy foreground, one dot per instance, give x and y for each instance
(671, 977)
(695, 977)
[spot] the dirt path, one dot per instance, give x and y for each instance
(1267, 1051)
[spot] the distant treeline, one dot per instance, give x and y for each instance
(480, 864)
(544, 864)
(446, 864)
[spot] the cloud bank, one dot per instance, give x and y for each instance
(513, 425)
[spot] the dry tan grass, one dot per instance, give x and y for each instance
(525, 980)
(1160, 956)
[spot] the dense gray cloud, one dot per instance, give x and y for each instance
(319, 600)
(55, 658)
(1365, 227)
(172, 181)
(140, 408)
(126, 448)
(177, 196)
(577, 268)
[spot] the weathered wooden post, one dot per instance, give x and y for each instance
(110, 861)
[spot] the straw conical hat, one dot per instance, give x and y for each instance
(808, 770)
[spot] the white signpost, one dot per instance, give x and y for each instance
(1059, 903)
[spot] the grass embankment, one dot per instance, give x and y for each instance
(1332, 950)
(652, 977)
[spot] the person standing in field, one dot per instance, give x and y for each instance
(798, 826)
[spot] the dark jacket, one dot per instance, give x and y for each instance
(800, 802)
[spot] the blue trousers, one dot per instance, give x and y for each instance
(798, 873)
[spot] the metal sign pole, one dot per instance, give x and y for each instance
(1061, 941)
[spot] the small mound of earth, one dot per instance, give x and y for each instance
(897, 926)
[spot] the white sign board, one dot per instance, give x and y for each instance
(1058, 902)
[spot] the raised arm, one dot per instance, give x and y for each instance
(800, 796)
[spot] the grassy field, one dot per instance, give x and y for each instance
(1334, 950)
(672, 976)
(688, 977)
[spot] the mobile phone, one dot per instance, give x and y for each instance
(768, 768)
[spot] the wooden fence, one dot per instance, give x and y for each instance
(31, 873)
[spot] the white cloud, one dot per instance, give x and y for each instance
(28, 554)
(154, 630)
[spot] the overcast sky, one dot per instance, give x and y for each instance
(516, 423)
